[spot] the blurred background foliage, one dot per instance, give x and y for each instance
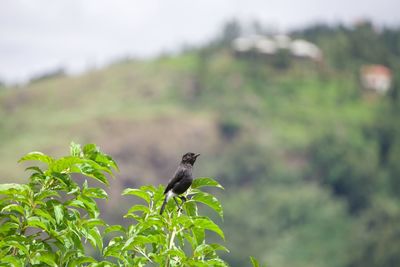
(309, 161)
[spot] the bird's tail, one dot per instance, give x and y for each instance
(164, 204)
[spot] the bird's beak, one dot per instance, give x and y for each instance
(196, 155)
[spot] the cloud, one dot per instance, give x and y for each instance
(43, 34)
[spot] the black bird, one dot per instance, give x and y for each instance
(181, 180)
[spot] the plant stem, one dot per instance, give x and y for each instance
(171, 240)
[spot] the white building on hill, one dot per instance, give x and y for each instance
(376, 77)
(258, 44)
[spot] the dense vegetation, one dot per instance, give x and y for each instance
(308, 159)
(48, 221)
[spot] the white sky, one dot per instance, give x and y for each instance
(36, 36)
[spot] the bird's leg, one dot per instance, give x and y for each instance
(176, 201)
(177, 204)
(183, 202)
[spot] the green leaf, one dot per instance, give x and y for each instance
(107, 264)
(36, 222)
(208, 224)
(95, 238)
(48, 258)
(93, 172)
(34, 168)
(138, 207)
(216, 262)
(191, 208)
(75, 236)
(13, 218)
(152, 221)
(86, 167)
(75, 203)
(148, 239)
(93, 222)
(199, 263)
(150, 189)
(65, 164)
(189, 238)
(183, 220)
(84, 259)
(199, 235)
(44, 214)
(114, 248)
(129, 242)
(89, 149)
(210, 201)
(254, 262)
(177, 252)
(75, 149)
(59, 213)
(137, 192)
(17, 242)
(37, 178)
(95, 192)
(65, 180)
(13, 207)
(11, 189)
(89, 205)
(13, 261)
(114, 228)
(205, 181)
(74, 190)
(216, 246)
(6, 227)
(36, 156)
(92, 152)
(106, 161)
(45, 194)
(203, 250)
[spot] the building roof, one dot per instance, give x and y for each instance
(376, 70)
(270, 46)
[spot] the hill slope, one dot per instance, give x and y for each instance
(291, 146)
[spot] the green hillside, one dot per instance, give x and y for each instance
(309, 161)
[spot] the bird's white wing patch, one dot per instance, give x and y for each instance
(170, 194)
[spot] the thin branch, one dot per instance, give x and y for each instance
(172, 239)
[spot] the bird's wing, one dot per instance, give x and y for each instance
(179, 174)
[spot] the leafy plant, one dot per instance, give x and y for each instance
(48, 221)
